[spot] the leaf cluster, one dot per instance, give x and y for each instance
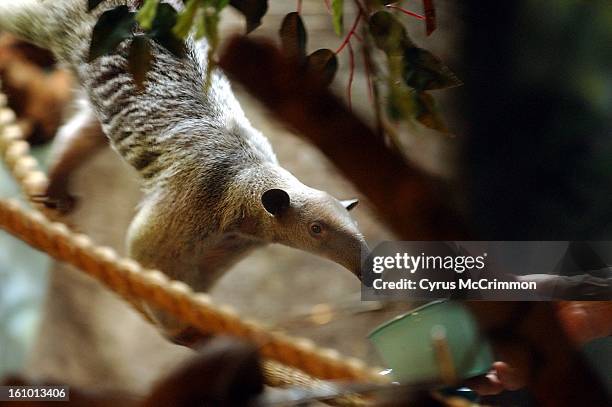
(119, 24)
(321, 64)
(411, 71)
(161, 23)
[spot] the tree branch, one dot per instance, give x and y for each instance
(414, 204)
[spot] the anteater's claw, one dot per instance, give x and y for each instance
(63, 205)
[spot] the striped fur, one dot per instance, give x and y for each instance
(204, 167)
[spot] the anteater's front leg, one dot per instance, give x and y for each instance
(160, 238)
(76, 142)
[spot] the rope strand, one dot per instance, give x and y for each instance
(291, 360)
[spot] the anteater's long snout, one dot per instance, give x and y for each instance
(358, 260)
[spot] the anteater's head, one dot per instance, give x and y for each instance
(314, 221)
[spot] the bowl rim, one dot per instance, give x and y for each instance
(396, 319)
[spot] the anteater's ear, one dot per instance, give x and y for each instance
(349, 203)
(275, 201)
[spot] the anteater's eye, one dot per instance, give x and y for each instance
(316, 228)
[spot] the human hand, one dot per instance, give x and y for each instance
(583, 321)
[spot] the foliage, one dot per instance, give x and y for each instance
(409, 73)
(337, 12)
(293, 36)
(91, 4)
(112, 28)
(253, 11)
(140, 59)
(118, 24)
(321, 63)
(412, 71)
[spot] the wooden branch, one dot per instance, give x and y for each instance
(414, 204)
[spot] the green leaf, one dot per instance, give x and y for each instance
(337, 7)
(208, 26)
(92, 4)
(161, 30)
(201, 25)
(146, 14)
(324, 64)
(426, 112)
(253, 10)
(423, 71)
(293, 36)
(400, 104)
(140, 60)
(221, 4)
(213, 31)
(165, 19)
(185, 19)
(171, 43)
(113, 27)
(388, 32)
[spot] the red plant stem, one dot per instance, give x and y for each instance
(430, 16)
(351, 74)
(361, 7)
(403, 10)
(358, 37)
(350, 34)
(328, 6)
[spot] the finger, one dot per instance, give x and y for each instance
(586, 320)
(486, 385)
(510, 378)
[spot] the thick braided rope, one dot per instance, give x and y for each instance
(16, 154)
(26, 171)
(127, 278)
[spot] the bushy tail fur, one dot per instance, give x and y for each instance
(26, 19)
(61, 26)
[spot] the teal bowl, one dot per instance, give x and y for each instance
(422, 345)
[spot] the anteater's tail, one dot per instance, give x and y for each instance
(61, 26)
(27, 19)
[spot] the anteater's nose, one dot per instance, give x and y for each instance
(364, 253)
